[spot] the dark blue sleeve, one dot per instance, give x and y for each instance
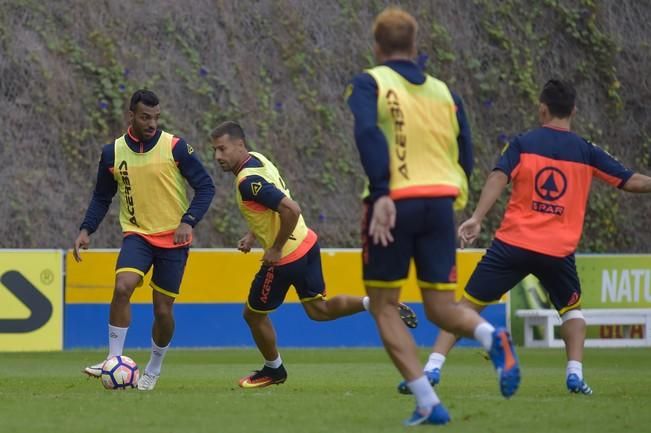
(464, 140)
(510, 157)
(607, 168)
(105, 189)
(195, 173)
(371, 143)
(257, 189)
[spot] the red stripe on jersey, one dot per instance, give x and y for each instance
(425, 191)
(302, 249)
(253, 206)
(161, 240)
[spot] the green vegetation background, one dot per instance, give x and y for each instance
(280, 67)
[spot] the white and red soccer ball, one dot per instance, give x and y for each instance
(120, 372)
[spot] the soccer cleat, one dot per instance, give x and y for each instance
(577, 386)
(433, 376)
(407, 315)
(502, 353)
(94, 370)
(436, 415)
(147, 382)
(265, 377)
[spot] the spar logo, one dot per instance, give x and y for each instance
(550, 184)
(39, 306)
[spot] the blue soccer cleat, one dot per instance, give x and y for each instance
(437, 415)
(502, 353)
(577, 386)
(433, 376)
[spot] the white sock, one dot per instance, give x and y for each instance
(422, 390)
(275, 363)
(574, 367)
(366, 302)
(484, 334)
(436, 360)
(156, 359)
(116, 339)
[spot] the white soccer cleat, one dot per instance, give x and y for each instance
(147, 382)
(94, 370)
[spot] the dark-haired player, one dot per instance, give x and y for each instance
(291, 252)
(551, 169)
(148, 168)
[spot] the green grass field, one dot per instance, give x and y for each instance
(338, 390)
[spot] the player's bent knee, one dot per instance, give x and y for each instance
(162, 310)
(252, 317)
(437, 312)
(319, 316)
(572, 314)
(318, 313)
(122, 292)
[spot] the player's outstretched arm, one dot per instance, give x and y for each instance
(638, 183)
(492, 190)
(495, 184)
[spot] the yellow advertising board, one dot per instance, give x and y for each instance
(215, 275)
(31, 300)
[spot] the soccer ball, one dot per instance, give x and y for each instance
(120, 372)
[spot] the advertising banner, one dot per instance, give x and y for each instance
(31, 300)
(215, 286)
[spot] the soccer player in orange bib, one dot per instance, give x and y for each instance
(414, 143)
(148, 168)
(551, 169)
(291, 252)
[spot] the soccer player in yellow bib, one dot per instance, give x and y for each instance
(148, 168)
(291, 252)
(414, 145)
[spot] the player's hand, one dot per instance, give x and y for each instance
(183, 234)
(382, 221)
(271, 256)
(246, 243)
(81, 243)
(468, 231)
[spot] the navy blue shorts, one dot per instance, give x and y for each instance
(424, 231)
(503, 266)
(271, 283)
(137, 255)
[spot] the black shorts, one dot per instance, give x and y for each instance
(424, 231)
(503, 266)
(271, 283)
(137, 255)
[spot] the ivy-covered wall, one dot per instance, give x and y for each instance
(68, 67)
